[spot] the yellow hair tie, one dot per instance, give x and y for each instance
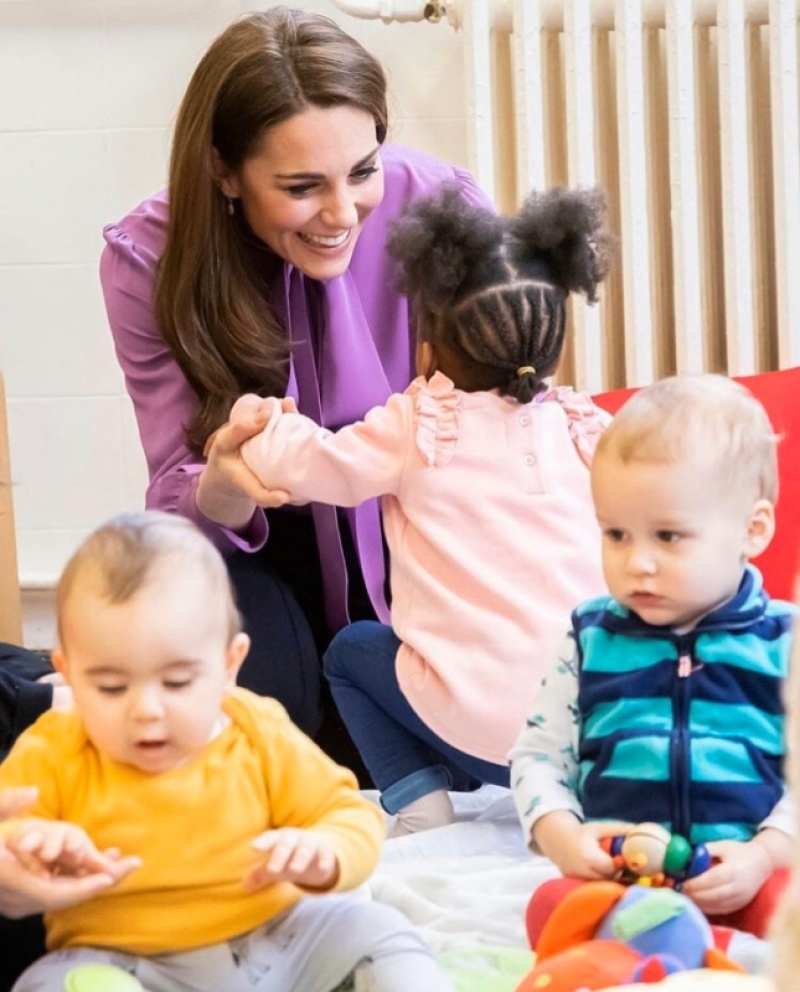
(525, 369)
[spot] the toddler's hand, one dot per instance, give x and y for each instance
(574, 847)
(251, 409)
(304, 857)
(740, 870)
(227, 490)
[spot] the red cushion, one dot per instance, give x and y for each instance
(780, 394)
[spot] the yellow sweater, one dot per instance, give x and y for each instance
(192, 826)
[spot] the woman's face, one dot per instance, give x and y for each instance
(310, 187)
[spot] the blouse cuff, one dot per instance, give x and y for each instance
(251, 537)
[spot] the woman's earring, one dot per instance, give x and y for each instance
(231, 207)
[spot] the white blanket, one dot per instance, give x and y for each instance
(468, 883)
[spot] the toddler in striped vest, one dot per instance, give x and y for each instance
(665, 702)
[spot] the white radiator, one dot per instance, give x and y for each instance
(688, 113)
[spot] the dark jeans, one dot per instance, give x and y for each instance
(279, 592)
(283, 661)
(404, 756)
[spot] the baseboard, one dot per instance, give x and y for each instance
(39, 618)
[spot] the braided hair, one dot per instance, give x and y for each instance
(492, 290)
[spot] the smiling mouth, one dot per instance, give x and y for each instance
(322, 241)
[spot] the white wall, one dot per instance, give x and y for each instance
(89, 91)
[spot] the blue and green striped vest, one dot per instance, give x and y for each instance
(699, 750)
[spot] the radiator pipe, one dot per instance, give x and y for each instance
(392, 10)
(552, 12)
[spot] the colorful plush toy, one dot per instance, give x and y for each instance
(606, 933)
(651, 855)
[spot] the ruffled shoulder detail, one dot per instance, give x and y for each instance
(585, 420)
(435, 417)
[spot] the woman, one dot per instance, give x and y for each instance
(28, 687)
(264, 270)
(24, 894)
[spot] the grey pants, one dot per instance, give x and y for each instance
(321, 944)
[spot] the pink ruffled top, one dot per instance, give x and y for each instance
(493, 540)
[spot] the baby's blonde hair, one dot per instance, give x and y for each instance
(704, 415)
(122, 554)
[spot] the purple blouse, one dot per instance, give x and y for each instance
(352, 348)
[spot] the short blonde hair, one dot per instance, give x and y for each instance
(125, 551)
(683, 415)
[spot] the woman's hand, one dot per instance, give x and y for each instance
(304, 857)
(24, 892)
(228, 492)
(54, 848)
(62, 694)
(13, 801)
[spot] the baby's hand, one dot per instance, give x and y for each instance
(574, 847)
(249, 409)
(227, 489)
(582, 855)
(52, 847)
(303, 857)
(740, 869)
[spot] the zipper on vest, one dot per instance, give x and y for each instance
(684, 645)
(681, 752)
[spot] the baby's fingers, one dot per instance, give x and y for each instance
(248, 409)
(279, 846)
(325, 869)
(257, 878)
(312, 865)
(67, 846)
(721, 897)
(292, 855)
(600, 865)
(607, 828)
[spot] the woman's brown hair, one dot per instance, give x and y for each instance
(210, 297)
